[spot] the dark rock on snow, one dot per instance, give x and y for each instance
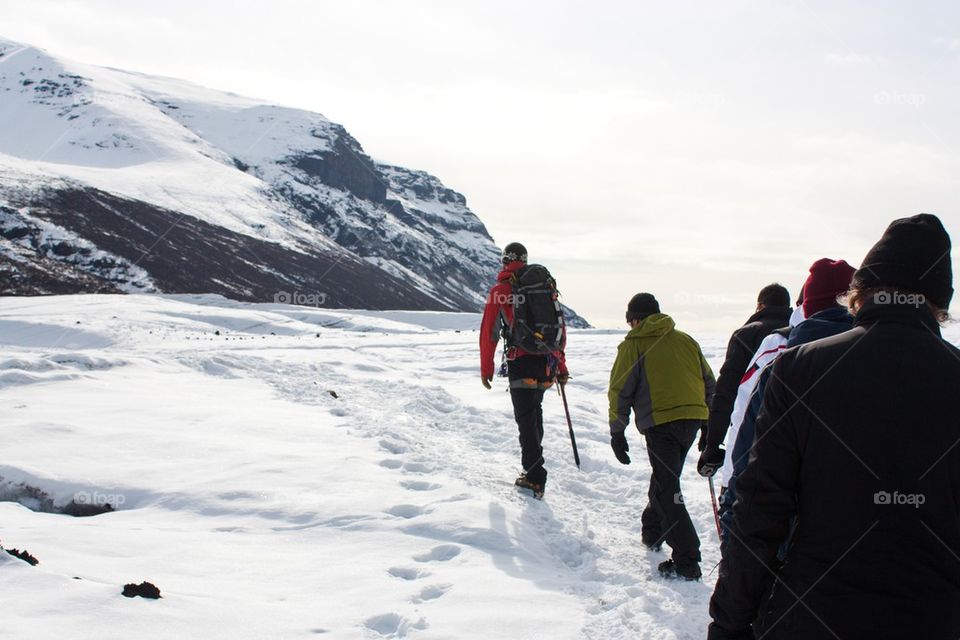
(24, 555)
(144, 590)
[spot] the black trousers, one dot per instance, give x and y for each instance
(527, 375)
(665, 519)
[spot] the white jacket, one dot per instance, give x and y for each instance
(768, 351)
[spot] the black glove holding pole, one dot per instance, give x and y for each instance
(710, 461)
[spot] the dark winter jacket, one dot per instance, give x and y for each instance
(857, 435)
(660, 374)
(743, 344)
(824, 324)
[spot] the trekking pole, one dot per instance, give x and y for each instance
(713, 502)
(573, 438)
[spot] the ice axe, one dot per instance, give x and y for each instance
(713, 503)
(573, 438)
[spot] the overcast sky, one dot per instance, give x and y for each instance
(696, 150)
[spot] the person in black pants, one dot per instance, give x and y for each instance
(530, 374)
(662, 378)
(529, 377)
(665, 518)
(856, 451)
(773, 312)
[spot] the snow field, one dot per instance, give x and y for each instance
(265, 507)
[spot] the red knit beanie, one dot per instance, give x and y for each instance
(828, 280)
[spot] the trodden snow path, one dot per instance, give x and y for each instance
(263, 506)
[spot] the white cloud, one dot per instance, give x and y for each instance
(850, 59)
(951, 44)
(691, 148)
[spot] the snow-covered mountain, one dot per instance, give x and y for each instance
(117, 181)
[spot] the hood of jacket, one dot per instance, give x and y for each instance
(780, 315)
(653, 326)
(822, 324)
(796, 317)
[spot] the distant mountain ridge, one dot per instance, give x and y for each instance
(117, 181)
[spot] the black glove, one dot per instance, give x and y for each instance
(703, 436)
(620, 447)
(710, 461)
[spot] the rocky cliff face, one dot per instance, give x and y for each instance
(116, 181)
(92, 241)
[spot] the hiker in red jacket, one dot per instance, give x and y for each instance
(530, 374)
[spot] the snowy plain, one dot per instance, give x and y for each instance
(312, 473)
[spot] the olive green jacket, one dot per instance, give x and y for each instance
(661, 375)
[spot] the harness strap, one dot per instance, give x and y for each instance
(531, 383)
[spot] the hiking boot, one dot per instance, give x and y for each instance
(535, 487)
(672, 571)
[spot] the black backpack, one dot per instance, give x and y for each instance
(537, 316)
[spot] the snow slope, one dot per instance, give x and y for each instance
(264, 507)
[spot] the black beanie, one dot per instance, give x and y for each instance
(914, 253)
(513, 252)
(641, 306)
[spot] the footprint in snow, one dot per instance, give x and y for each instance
(443, 553)
(416, 467)
(393, 447)
(371, 368)
(460, 497)
(392, 625)
(391, 464)
(408, 573)
(407, 511)
(431, 593)
(416, 485)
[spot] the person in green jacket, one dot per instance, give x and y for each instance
(661, 375)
